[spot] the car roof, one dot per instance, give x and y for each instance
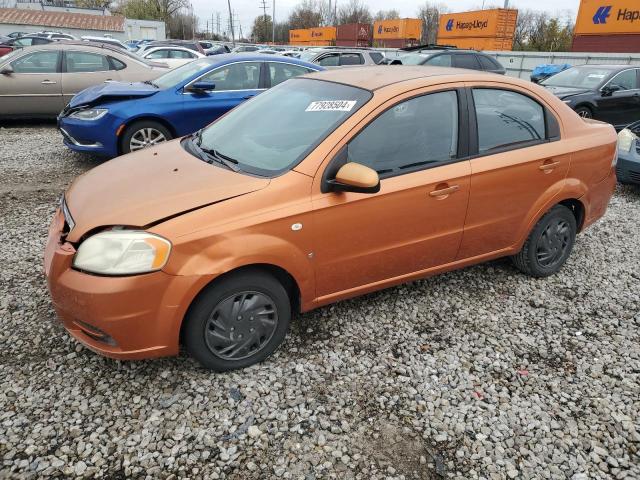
(607, 67)
(375, 77)
(254, 57)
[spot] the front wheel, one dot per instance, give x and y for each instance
(549, 244)
(237, 321)
(143, 134)
(584, 112)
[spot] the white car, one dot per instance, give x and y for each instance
(108, 40)
(172, 56)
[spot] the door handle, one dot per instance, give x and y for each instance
(446, 190)
(548, 165)
(48, 82)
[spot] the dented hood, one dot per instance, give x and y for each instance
(148, 186)
(112, 90)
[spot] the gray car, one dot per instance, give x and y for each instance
(39, 81)
(451, 57)
(342, 57)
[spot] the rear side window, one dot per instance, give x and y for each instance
(84, 62)
(163, 53)
(487, 64)
(439, 61)
(506, 119)
(466, 60)
(409, 137)
(376, 57)
(351, 59)
(279, 72)
(181, 54)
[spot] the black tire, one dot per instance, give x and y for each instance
(207, 334)
(584, 112)
(549, 244)
(140, 126)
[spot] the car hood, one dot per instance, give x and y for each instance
(149, 186)
(113, 90)
(563, 92)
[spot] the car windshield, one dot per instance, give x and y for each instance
(413, 59)
(276, 130)
(180, 74)
(579, 77)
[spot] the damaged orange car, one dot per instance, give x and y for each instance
(325, 187)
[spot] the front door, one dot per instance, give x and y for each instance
(34, 87)
(622, 106)
(415, 221)
(84, 69)
(517, 165)
(233, 84)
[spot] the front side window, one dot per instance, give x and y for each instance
(351, 59)
(506, 119)
(626, 80)
(409, 136)
(329, 60)
(235, 76)
(25, 42)
(37, 62)
(439, 61)
(277, 129)
(162, 53)
(84, 62)
(279, 72)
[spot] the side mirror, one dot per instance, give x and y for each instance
(354, 177)
(202, 86)
(6, 70)
(609, 89)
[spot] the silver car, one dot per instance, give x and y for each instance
(342, 57)
(39, 81)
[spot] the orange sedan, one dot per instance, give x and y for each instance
(323, 188)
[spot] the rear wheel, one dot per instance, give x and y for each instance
(549, 244)
(238, 321)
(143, 134)
(584, 112)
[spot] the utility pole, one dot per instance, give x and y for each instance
(506, 3)
(264, 18)
(273, 23)
(218, 23)
(233, 37)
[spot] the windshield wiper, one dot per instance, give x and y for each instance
(149, 82)
(212, 154)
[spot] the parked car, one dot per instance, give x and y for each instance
(245, 49)
(340, 57)
(106, 40)
(39, 81)
(609, 93)
(190, 44)
(172, 56)
(55, 35)
(11, 44)
(117, 118)
(325, 187)
(628, 168)
(457, 58)
(546, 70)
(217, 49)
(17, 34)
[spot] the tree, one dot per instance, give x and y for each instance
(93, 3)
(354, 12)
(262, 29)
(540, 32)
(392, 14)
(430, 13)
(311, 13)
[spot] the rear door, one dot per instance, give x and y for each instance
(82, 69)
(34, 87)
(234, 83)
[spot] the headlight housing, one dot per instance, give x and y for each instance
(89, 114)
(625, 140)
(122, 252)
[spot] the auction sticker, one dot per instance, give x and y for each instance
(331, 106)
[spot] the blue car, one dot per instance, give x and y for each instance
(115, 118)
(628, 167)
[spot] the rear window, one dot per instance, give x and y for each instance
(376, 57)
(488, 63)
(466, 60)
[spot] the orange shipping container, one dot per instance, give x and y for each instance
(596, 17)
(323, 34)
(396, 29)
(321, 43)
(300, 35)
(479, 43)
(499, 22)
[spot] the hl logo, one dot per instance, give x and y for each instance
(449, 26)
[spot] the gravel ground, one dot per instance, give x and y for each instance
(480, 373)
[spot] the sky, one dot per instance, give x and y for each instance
(247, 10)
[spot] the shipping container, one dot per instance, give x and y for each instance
(480, 43)
(354, 31)
(401, 29)
(300, 35)
(596, 17)
(353, 43)
(498, 22)
(623, 43)
(323, 34)
(321, 43)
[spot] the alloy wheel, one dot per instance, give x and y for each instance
(146, 137)
(241, 325)
(553, 243)
(584, 113)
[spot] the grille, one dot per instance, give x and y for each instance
(635, 176)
